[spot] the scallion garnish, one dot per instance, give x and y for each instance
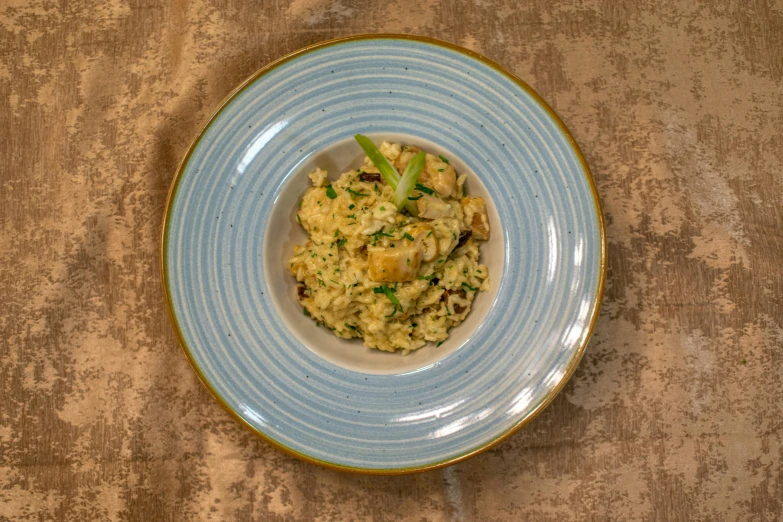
(444, 160)
(388, 171)
(408, 181)
(330, 193)
(469, 287)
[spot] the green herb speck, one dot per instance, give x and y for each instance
(426, 190)
(330, 193)
(356, 194)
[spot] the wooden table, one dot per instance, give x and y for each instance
(676, 410)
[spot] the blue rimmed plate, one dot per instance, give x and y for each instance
(229, 221)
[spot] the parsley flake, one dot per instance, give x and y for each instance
(426, 190)
(356, 194)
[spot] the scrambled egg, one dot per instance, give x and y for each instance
(370, 271)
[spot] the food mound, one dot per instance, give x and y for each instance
(392, 259)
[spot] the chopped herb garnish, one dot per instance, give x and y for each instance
(341, 242)
(304, 311)
(383, 209)
(410, 198)
(321, 282)
(465, 285)
(444, 160)
(356, 194)
(426, 190)
(441, 170)
(379, 234)
(337, 232)
(351, 206)
(299, 219)
(352, 216)
(333, 281)
(454, 235)
(384, 289)
(427, 278)
(438, 344)
(408, 237)
(352, 327)
(330, 193)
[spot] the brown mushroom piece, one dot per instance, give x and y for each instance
(424, 239)
(394, 265)
(370, 177)
(475, 210)
(432, 207)
(446, 297)
(439, 175)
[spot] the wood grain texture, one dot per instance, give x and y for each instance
(675, 412)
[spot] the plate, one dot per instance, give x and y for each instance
(229, 221)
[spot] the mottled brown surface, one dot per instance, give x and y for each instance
(676, 411)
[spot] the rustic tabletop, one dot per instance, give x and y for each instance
(676, 410)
